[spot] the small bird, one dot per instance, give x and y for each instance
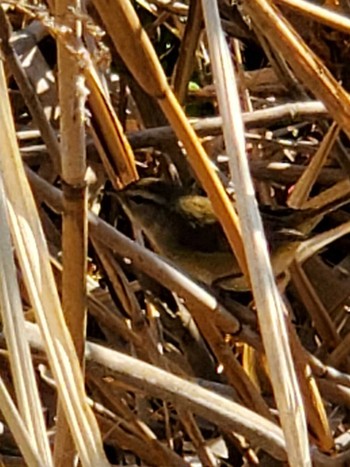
(182, 227)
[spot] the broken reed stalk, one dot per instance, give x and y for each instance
(108, 134)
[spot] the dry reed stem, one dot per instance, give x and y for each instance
(159, 383)
(72, 97)
(268, 301)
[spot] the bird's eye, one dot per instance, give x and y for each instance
(138, 199)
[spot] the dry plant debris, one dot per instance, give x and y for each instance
(174, 214)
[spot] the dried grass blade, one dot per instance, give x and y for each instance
(17, 428)
(305, 183)
(314, 407)
(31, 98)
(27, 393)
(309, 247)
(339, 191)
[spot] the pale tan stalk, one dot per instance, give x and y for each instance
(309, 247)
(268, 301)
